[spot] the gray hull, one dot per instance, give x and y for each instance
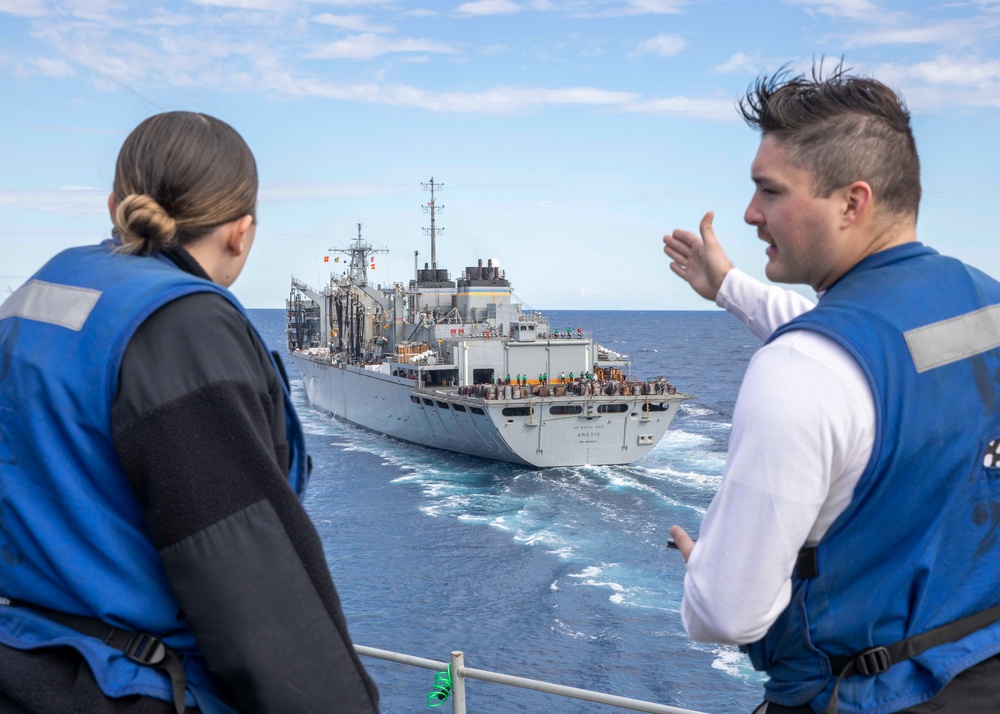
(536, 431)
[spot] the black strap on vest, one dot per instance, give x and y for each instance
(138, 647)
(807, 564)
(877, 660)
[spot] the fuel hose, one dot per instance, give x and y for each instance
(442, 688)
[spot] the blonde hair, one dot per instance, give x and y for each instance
(179, 175)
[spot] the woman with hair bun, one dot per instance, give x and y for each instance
(154, 552)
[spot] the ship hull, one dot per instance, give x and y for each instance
(538, 432)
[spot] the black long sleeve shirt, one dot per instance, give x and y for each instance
(198, 423)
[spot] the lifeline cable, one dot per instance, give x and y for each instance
(442, 688)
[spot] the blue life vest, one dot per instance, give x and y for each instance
(917, 546)
(72, 536)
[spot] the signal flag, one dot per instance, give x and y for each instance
(326, 259)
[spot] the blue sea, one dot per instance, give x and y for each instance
(559, 574)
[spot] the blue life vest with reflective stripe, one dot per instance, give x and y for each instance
(72, 535)
(917, 546)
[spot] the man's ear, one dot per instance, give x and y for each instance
(237, 239)
(857, 202)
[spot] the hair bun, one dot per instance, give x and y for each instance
(144, 225)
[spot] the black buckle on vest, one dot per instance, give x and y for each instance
(145, 649)
(873, 661)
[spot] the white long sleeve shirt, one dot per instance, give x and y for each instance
(803, 432)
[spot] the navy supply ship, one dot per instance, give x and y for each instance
(458, 365)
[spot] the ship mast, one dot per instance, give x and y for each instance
(433, 209)
(359, 252)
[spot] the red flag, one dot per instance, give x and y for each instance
(326, 259)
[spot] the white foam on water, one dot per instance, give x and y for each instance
(472, 518)
(554, 586)
(542, 537)
(564, 553)
(623, 480)
(733, 662)
(730, 660)
(676, 439)
(621, 595)
(588, 572)
(564, 629)
(698, 479)
(696, 411)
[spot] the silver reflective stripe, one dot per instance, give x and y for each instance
(62, 305)
(957, 338)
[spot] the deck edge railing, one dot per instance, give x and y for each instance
(459, 673)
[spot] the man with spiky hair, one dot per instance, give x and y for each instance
(852, 546)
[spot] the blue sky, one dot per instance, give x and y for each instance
(570, 135)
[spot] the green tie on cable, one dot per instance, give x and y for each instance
(442, 688)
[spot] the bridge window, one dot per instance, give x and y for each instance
(612, 408)
(562, 409)
(477, 410)
(458, 407)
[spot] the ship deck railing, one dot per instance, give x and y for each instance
(459, 673)
(453, 395)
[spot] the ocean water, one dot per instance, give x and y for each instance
(559, 574)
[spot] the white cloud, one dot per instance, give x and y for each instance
(944, 82)
(95, 132)
(488, 7)
(639, 7)
(497, 100)
(502, 100)
(166, 19)
(958, 72)
(687, 107)
(368, 45)
(943, 70)
(656, 7)
(356, 23)
(420, 12)
(248, 4)
(853, 9)
(52, 68)
(353, 3)
(738, 62)
(68, 201)
(955, 33)
(661, 46)
(290, 191)
(24, 8)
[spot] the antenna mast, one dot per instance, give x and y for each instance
(433, 209)
(359, 253)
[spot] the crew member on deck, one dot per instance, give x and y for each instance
(851, 548)
(156, 557)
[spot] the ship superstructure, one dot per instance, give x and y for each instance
(460, 365)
